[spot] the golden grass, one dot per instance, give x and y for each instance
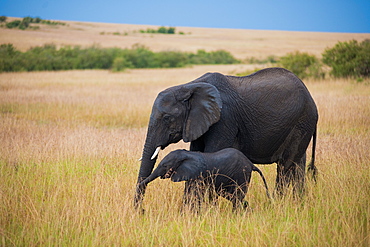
(240, 42)
(70, 142)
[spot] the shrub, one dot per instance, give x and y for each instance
(349, 59)
(141, 57)
(9, 58)
(269, 59)
(94, 58)
(53, 23)
(302, 64)
(25, 23)
(120, 64)
(2, 18)
(13, 24)
(48, 57)
(171, 30)
(36, 20)
(214, 57)
(27, 19)
(172, 59)
(162, 30)
(222, 57)
(149, 30)
(7, 50)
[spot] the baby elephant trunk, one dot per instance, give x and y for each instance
(141, 186)
(254, 168)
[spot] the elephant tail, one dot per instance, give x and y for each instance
(254, 168)
(311, 167)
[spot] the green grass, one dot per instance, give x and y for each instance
(69, 162)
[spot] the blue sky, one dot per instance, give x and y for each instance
(293, 15)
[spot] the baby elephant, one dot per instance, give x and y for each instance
(226, 173)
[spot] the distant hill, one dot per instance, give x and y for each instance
(241, 43)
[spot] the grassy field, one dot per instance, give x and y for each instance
(70, 143)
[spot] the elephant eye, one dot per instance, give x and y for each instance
(167, 118)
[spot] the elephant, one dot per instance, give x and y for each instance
(270, 116)
(225, 173)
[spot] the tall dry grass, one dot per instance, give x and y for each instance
(70, 142)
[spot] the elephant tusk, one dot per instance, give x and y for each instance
(140, 159)
(156, 152)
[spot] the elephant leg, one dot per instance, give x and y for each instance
(236, 196)
(291, 165)
(210, 194)
(284, 175)
(239, 200)
(293, 173)
(193, 194)
(299, 177)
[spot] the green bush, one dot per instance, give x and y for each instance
(120, 64)
(270, 59)
(36, 20)
(30, 19)
(214, 57)
(48, 57)
(25, 22)
(10, 58)
(349, 59)
(222, 57)
(302, 64)
(140, 57)
(163, 30)
(27, 19)
(171, 30)
(172, 59)
(13, 24)
(53, 23)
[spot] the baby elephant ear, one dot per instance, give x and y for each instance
(204, 109)
(188, 170)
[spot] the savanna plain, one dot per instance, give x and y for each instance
(70, 143)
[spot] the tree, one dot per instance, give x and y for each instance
(171, 30)
(13, 24)
(120, 64)
(162, 30)
(302, 64)
(349, 59)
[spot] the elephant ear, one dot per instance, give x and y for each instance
(189, 169)
(204, 109)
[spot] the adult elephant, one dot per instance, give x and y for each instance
(269, 115)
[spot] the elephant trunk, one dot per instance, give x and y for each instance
(140, 189)
(146, 167)
(144, 181)
(149, 179)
